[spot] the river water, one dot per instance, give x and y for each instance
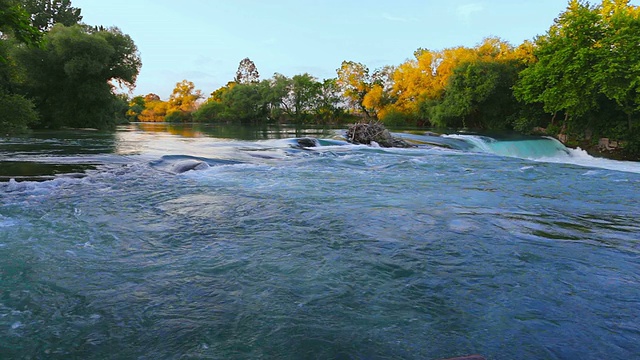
(509, 248)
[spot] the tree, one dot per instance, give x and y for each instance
(301, 97)
(479, 95)
(46, 13)
(73, 76)
(618, 66)
(15, 21)
(562, 78)
(136, 106)
(244, 103)
(247, 72)
(17, 113)
(328, 102)
(182, 102)
(355, 82)
(155, 109)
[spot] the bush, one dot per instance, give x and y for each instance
(396, 118)
(17, 114)
(209, 112)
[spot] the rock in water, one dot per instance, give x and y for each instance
(307, 142)
(189, 164)
(366, 133)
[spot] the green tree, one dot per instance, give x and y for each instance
(46, 13)
(17, 113)
(479, 95)
(301, 97)
(72, 78)
(327, 106)
(15, 22)
(135, 108)
(617, 71)
(562, 78)
(244, 103)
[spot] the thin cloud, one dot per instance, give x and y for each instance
(390, 17)
(467, 10)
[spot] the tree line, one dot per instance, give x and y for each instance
(57, 72)
(580, 79)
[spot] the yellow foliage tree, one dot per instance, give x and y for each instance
(425, 77)
(155, 109)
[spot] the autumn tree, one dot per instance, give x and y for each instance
(154, 110)
(183, 102)
(355, 81)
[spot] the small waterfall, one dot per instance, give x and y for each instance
(545, 149)
(538, 148)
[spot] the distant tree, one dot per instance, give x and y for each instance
(154, 110)
(182, 102)
(303, 92)
(355, 81)
(46, 13)
(245, 103)
(328, 108)
(247, 72)
(136, 106)
(479, 96)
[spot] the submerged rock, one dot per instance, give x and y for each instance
(374, 133)
(307, 142)
(187, 165)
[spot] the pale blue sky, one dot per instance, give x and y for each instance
(204, 40)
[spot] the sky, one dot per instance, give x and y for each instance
(203, 41)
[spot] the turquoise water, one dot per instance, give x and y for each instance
(268, 250)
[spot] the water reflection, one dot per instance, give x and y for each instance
(237, 131)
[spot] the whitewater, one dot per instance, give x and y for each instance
(158, 243)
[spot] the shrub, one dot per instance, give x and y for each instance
(17, 114)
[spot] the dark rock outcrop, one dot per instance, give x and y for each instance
(374, 132)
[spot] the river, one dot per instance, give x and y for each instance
(263, 249)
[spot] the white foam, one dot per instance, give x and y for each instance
(582, 158)
(6, 221)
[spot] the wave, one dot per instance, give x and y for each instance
(543, 149)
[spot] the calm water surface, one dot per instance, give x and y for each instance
(510, 249)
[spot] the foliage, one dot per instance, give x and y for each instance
(588, 63)
(135, 108)
(155, 109)
(182, 102)
(72, 77)
(355, 82)
(299, 99)
(17, 113)
(247, 72)
(46, 13)
(15, 22)
(478, 95)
